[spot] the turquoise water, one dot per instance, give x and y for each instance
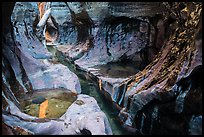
(88, 87)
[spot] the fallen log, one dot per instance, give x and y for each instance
(44, 18)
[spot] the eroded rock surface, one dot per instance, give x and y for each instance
(118, 36)
(159, 97)
(27, 68)
(33, 54)
(169, 78)
(123, 36)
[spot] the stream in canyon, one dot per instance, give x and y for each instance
(104, 68)
(89, 87)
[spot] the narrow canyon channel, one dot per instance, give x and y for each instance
(102, 68)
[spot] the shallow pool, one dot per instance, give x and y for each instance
(48, 103)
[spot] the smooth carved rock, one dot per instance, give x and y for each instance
(120, 31)
(30, 50)
(177, 60)
(160, 80)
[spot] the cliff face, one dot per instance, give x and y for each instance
(118, 34)
(136, 32)
(161, 91)
(145, 57)
(27, 69)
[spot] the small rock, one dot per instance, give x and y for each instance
(77, 131)
(143, 27)
(38, 100)
(79, 102)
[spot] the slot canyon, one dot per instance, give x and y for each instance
(102, 68)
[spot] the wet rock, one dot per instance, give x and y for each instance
(44, 75)
(195, 125)
(110, 46)
(32, 53)
(24, 33)
(99, 13)
(9, 51)
(121, 32)
(179, 89)
(116, 43)
(74, 52)
(55, 76)
(120, 37)
(87, 115)
(133, 9)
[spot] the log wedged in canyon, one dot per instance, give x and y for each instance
(145, 57)
(27, 69)
(34, 56)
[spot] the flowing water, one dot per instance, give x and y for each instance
(88, 87)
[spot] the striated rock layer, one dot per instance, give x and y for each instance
(32, 55)
(162, 41)
(113, 37)
(171, 77)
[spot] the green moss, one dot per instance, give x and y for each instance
(56, 108)
(32, 109)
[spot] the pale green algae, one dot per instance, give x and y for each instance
(58, 103)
